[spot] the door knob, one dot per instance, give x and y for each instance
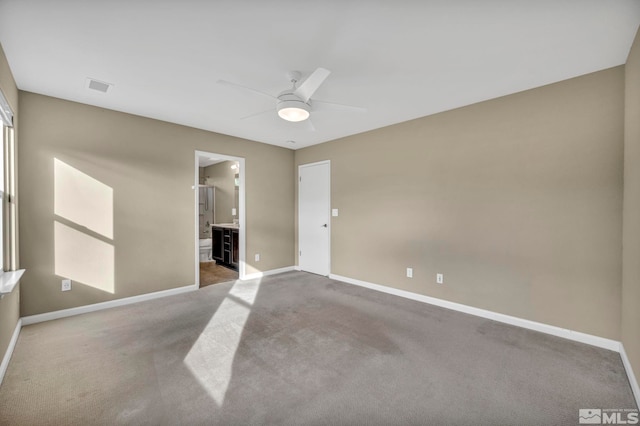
(324, 226)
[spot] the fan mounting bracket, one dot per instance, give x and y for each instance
(294, 76)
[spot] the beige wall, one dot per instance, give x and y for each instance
(517, 201)
(148, 166)
(631, 216)
(9, 305)
(222, 176)
(9, 315)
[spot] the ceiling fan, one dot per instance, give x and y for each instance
(295, 104)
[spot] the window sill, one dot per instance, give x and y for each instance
(9, 280)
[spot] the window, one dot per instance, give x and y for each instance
(7, 199)
(5, 136)
(8, 210)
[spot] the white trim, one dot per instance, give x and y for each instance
(10, 348)
(632, 378)
(196, 222)
(269, 272)
(242, 267)
(317, 163)
(48, 316)
(297, 268)
(577, 336)
(8, 281)
(300, 166)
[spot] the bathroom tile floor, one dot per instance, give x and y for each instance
(211, 273)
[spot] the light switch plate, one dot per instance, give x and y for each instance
(334, 212)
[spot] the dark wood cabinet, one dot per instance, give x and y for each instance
(217, 247)
(234, 248)
(225, 246)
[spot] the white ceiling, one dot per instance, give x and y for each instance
(206, 161)
(401, 60)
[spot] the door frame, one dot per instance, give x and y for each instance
(300, 167)
(242, 214)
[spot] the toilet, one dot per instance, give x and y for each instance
(205, 249)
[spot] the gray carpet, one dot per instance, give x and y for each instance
(300, 349)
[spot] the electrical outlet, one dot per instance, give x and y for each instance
(66, 285)
(409, 272)
(440, 278)
(257, 257)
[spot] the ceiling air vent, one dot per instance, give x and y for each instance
(100, 86)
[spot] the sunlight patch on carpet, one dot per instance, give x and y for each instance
(210, 359)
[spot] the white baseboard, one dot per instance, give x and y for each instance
(589, 339)
(270, 272)
(10, 348)
(48, 316)
(632, 377)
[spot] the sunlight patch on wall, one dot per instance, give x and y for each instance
(82, 199)
(83, 258)
(210, 360)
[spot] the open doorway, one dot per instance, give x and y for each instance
(220, 218)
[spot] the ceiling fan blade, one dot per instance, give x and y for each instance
(332, 106)
(257, 113)
(245, 88)
(311, 84)
(309, 125)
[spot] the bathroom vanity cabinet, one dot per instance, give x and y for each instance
(234, 249)
(224, 247)
(217, 244)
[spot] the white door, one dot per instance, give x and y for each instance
(313, 217)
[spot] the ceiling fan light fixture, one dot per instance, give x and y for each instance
(294, 114)
(292, 108)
